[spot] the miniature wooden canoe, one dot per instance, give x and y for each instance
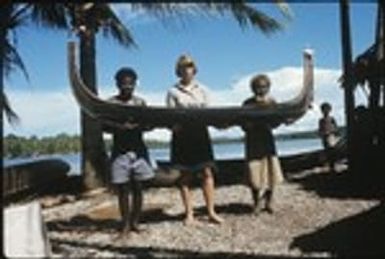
(157, 116)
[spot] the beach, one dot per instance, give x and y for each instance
(307, 204)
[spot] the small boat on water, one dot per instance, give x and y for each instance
(31, 176)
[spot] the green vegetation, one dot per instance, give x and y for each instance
(19, 146)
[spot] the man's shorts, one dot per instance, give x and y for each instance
(126, 165)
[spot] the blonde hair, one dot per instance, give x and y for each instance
(182, 62)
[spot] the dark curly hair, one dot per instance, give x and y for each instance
(260, 84)
(326, 106)
(125, 71)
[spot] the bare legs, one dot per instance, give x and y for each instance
(124, 207)
(208, 193)
(255, 193)
(137, 200)
(186, 197)
(130, 209)
(258, 196)
(269, 201)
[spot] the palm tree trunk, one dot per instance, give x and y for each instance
(347, 82)
(375, 82)
(94, 157)
(4, 12)
(379, 131)
(381, 47)
(2, 37)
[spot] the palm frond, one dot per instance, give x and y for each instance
(245, 14)
(113, 27)
(163, 10)
(285, 9)
(50, 15)
(12, 117)
(249, 16)
(13, 60)
(13, 18)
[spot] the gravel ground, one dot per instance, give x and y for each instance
(87, 226)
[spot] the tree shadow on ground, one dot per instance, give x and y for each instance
(84, 222)
(59, 246)
(358, 235)
(234, 208)
(342, 185)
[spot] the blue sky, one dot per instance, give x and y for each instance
(226, 56)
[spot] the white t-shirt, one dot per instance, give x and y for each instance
(190, 96)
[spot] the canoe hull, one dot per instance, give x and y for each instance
(102, 110)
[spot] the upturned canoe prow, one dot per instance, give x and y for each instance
(160, 117)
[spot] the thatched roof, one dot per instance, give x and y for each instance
(367, 66)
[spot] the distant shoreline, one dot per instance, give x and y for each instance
(19, 146)
(309, 134)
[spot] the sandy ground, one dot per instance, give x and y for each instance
(87, 226)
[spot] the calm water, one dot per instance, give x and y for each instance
(221, 151)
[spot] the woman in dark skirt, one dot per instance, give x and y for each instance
(191, 150)
(264, 168)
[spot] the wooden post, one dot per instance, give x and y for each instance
(347, 82)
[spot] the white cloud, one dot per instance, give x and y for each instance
(43, 113)
(48, 113)
(286, 83)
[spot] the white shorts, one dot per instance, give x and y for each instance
(127, 165)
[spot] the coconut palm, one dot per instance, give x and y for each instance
(65, 16)
(347, 82)
(87, 21)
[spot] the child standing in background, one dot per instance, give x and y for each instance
(327, 129)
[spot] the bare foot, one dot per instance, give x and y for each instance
(137, 229)
(269, 210)
(215, 218)
(189, 220)
(124, 233)
(256, 210)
